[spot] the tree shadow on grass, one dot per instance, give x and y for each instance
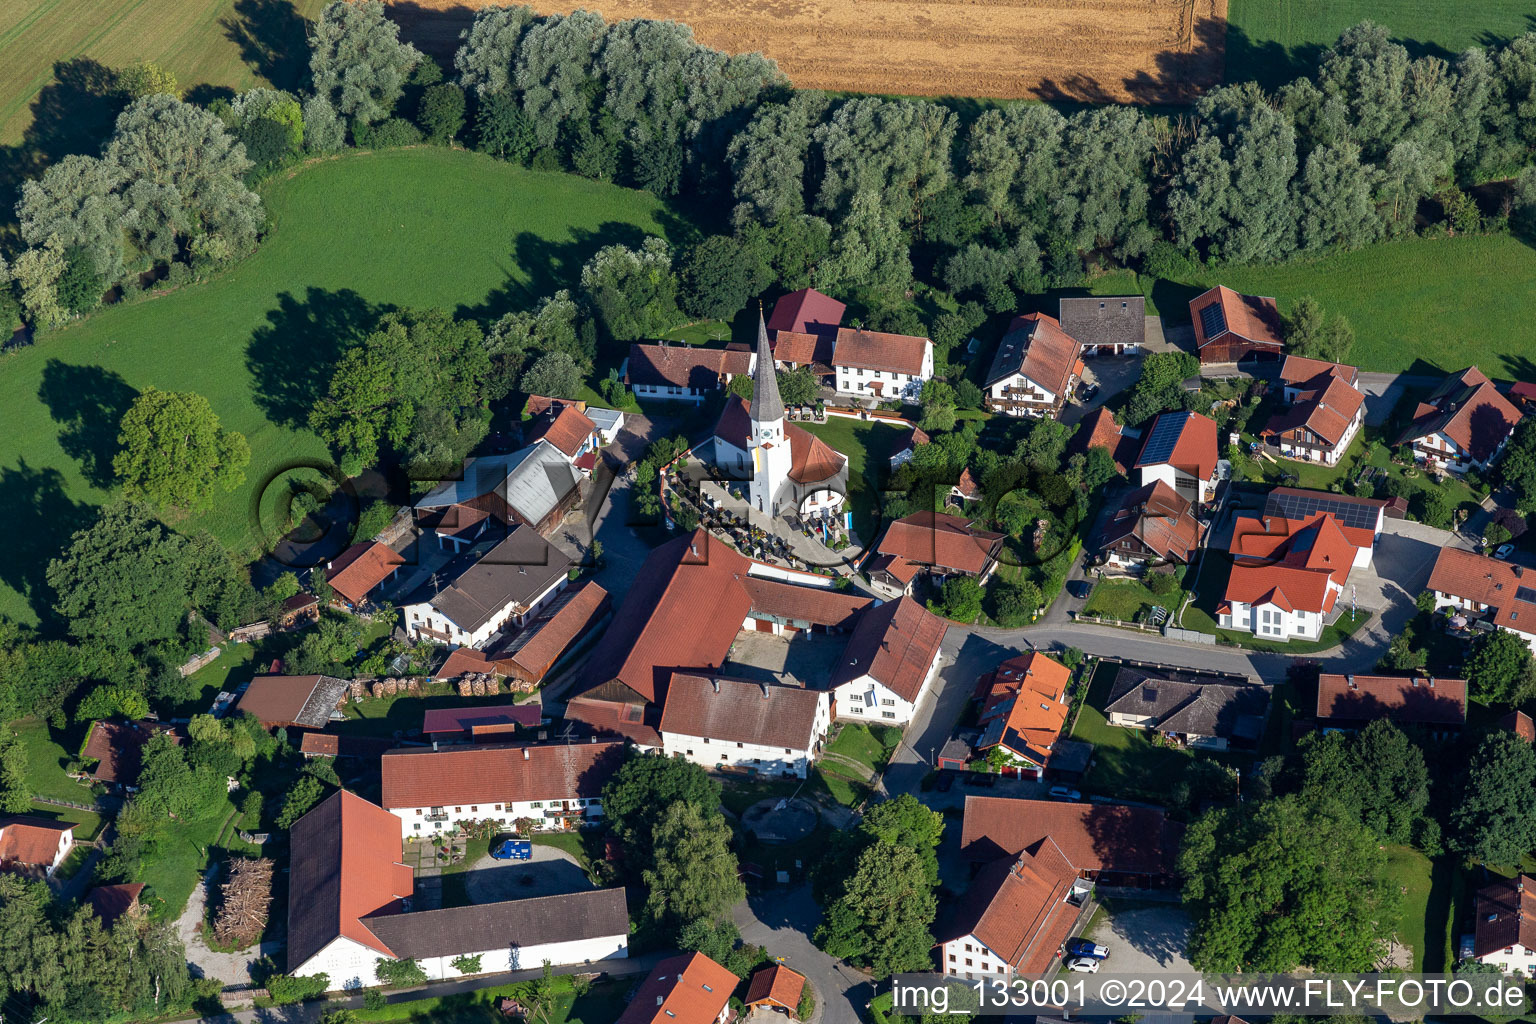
(41, 518)
(273, 40)
(74, 113)
(549, 266)
(88, 403)
(291, 359)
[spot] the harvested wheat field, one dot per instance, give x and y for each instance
(1146, 51)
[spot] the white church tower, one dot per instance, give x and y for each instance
(771, 457)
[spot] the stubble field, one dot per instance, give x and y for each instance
(1149, 51)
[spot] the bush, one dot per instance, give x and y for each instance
(286, 989)
(396, 131)
(400, 972)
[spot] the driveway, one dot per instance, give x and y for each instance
(1113, 374)
(782, 922)
(1143, 939)
(550, 872)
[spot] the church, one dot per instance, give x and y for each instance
(791, 471)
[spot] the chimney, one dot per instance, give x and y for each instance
(525, 753)
(765, 690)
(716, 684)
(434, 746)
(1349, 681)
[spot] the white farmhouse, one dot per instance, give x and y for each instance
(1486, 589)
(1034, 369)
(559, 786)
(881, 366)
(1501, 937)
(349, 906)
(733, 723)
(29, 843)
(505, 587)
(889, 664)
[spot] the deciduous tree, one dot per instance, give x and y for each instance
(175, 454)
(1494, 817)
(357, 61)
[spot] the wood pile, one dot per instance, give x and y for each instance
(478, 684)
(244, 903)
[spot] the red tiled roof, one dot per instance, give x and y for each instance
(741, 711)
(1256, 535)
(1486, 581)
(1301, 369)
(491, 774)
(485, 718)
(1160, 519)
(776, 986)
(323, 744)
(360, 568)
(278, 700)
(534, 649)
(1195, 449)
(1297, 566)
(896, 353)
(31, 841)
(894, 644)
(911, 439)
(969, 489)
(118, 748)
(346, 863)
(1017, 907)
(1099, 430)
(945, 541)
(565, 427)
(812, 460)
(1094, 837)
(1026, 706)
(820, 606)
(1521, 724)
(1506, 916)
(633, 720)
(1287, 588)
(688, 366)
(1326, 407)
(1037, 348)
(465, 660)
(686, 989)
(1250, 317)
(896, 567)
(797, 349)
(1427, 701)
(111, 902)
(806, 311)
(537, 404)
(1469, 410)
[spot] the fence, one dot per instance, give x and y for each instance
(1188, 635)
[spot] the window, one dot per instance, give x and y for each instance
(537, 804)
(458, 810)
(786, 750)
(967, 949)
(888, 702)
(968, 962)
(498, 807)
(690, 753)
(856, 710)
(738, 744)
(418, 826)
(418, 810)
(953, 958)
(887, 714)
(475, 808)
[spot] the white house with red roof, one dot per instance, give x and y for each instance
(1464, 425)
(1324, 411)
(1291, 562)
(767, 729)
(1486, 589)
(1180, 450)
(29, 843)
(1034, 369)
(868, 364)
(890, 663)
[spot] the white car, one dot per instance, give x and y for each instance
(1065, 793)
(1083, 965)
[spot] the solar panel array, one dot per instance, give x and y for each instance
(1214, 319)
(1299, 506)
(1163, 439)
(1525, 594)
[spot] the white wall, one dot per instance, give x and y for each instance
(982, 960)
(722, 752)
(856, 381)
(1033, 392)
(347, 963)
(1281, 624)
(414, 823)
(1511, 959)
(416, 616)
(889, 708)
(1200, 492)
(1444, 600)
(668, 392)
(351, 964)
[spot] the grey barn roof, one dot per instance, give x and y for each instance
(532, 481)
(527, 922)
(1191, 705)
(1105, 319)
(518, 569)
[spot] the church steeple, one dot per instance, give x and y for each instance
(766, 406)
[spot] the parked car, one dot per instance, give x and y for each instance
(1083, 965)
(1065, 793)
(512, 849)
(980, 779)
(1504, 552)
(946, 780)
(1084, 947)
(1080, 589)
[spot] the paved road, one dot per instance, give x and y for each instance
(783, 922)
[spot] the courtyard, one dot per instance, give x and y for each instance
(804, 659)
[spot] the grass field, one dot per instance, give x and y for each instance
(868, 446)
(1420, 924)
(1126, 600)
(48, 751)
(233, 44)
(350, 237)
(1274, 41)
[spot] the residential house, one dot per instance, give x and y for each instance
(1463, 426)
(110, 902)
(1037, 861)
(118, 750)
(1189, 709)
(34, 846)
(1181, 451)
(965, 489)
(686, 989)
(1488, 590)
(1106, 324)
(1324, 411)
(299, 611)
(807, 311)
(1035, 367)
(1504, 935)
(1024, 707)
(570, 430)
(759, 728)
(1519, 723)
(1099, 430)
(906, 447)
(775, 988)
(1351, 701)
(358, 571)
(1230, 327)
(485, 723)
(306, 702)
(883, 367)
(533, 486)
(506, 587)
(937, 543)
(1259, 534)
(1153, 524)
(890, 663)
(432, 789)
(1286, 587)
(683, 373)
(349, 905)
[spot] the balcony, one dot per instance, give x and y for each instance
(437, 817)
(570, 812)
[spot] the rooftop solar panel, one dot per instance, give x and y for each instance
(1163, 439)
(1525, 594)
(1295, 506)
(1214, 319)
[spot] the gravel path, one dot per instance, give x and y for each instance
(230, 968)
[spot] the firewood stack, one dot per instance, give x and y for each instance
(246, 900)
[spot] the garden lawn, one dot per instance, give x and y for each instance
(1410, 871)
(88, 824)
(48, 751)
(231, 668)
(871, 746)
(868, 445)
(1127, 600)
(175, 860)
(1274, 41)
(385, 716)
(349, 236)
(602, 1004)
